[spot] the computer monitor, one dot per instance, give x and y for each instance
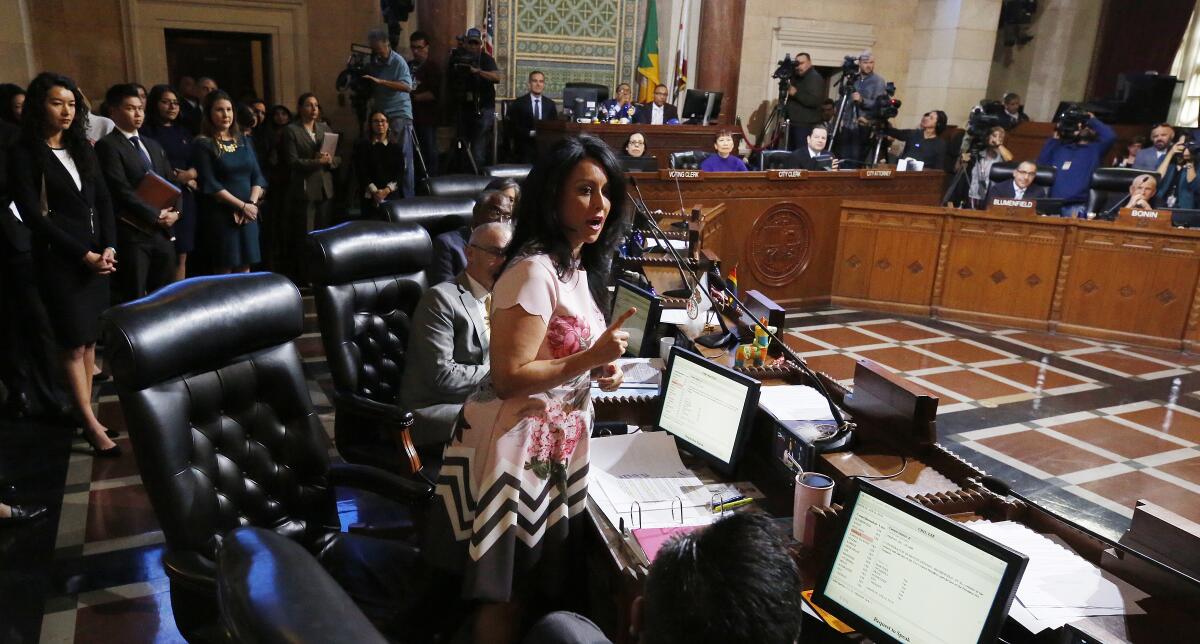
(903, 573)
(580, 100)
(696, 105)
(643, 341)
(708, 408)
(1048, 206)
(638, 164)
(1185, 218)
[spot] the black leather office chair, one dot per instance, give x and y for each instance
(517, 171)
(225, 435)
(689, 160)
(367, 279)
(1003, 171)
(775, 160)
(456, 185)
(1109, 185)
(272, 591)
(436, 215)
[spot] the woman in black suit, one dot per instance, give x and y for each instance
(61, 196)
(379, 166)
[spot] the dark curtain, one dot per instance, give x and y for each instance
(1137, 37)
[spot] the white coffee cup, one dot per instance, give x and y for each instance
(664, 347)
(812, 488)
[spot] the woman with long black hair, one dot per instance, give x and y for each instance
(163, 125)
(528, 424)
(61, 196)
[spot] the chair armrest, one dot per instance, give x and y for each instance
(381, 482)
(191, 569)
(272, 590)
(362, 405)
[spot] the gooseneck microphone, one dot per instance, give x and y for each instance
(693, 284)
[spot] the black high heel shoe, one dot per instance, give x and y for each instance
(112, 452)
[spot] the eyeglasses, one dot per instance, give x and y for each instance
(494, 251)
(418, 47)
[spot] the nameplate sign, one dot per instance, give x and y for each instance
(1156, 219)
(681, 175)
(876, 173)
(1013, 207)
(786, 175)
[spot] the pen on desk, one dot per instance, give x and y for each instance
(733, 505)
(718, 501)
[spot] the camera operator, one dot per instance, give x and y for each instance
(1076, 149)
(866, 91)
(806, 90)
(393, 83)
(1151, 158)
(473, 78)
(1178, 172)
(925, 143)
(1014, 111)
(995, 151)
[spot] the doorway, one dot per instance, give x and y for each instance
(238, 62)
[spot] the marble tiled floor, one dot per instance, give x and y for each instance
(1083, 427)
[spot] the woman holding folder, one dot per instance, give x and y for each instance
(60, 192)
(231, 185)
(305, 151)
(162, 125)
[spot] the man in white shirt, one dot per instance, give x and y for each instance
(806, 156)
(523, 114)
(450, 338)
(1019, 187)
(660, 112)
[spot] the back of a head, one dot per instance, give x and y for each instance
(733, 582)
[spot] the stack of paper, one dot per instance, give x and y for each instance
(794, 402)
(1059, 586)
(639, 478)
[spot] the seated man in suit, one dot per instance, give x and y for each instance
(143, 230)
(732, 581)
(804, 157)
(524, 113)
(1142, 193)
(448, 344)
(659, 112)
(1019, 187)
(450, 248)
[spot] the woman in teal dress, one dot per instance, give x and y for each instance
(231, 184)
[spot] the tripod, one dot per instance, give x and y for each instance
(777, 119)
(845, 89)
(962, 175)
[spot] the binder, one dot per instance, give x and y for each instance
(157, 191)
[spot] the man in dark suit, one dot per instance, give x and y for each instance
(450, 336)
(523, 114)
(1019, 187)
(143, 230)
(1014, 112)
(806, 90)
(658, 112)
(450, 248)
(804, 157)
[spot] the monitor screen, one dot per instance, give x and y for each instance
(695, 102)
(707, 407)
(902, 573)
(642, 324)
(638, 164)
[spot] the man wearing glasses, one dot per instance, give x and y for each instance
(450, 337)
(1019, 187)
(393, 84)
(427, 81)
(450, 249)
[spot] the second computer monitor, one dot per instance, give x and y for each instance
(643, 341)
(696, 105)
(708, 408)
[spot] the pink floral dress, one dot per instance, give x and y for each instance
(515, 473)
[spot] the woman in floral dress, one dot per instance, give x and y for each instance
(513, 481)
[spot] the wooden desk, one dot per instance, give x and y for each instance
(782, 234)
(1107, 280)
(661, 140)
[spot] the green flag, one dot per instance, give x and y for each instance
(648, 61)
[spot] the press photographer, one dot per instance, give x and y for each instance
(805, 92)
(1178, 171)
(1076, 149)
(983, 147)
(389, 72)
(865, 91)
(473, 75)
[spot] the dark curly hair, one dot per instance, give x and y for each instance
(538, 220)
(34, 119)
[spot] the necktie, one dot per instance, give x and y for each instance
(537, 109)
(137, 145)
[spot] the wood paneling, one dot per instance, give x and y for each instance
(1100, 279)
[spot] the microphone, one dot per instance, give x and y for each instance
(693, 284)
(1111, 212)
(844, 428)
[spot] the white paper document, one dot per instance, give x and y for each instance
(677, 244)
(640, 479)
(794, 402)
(641, 370)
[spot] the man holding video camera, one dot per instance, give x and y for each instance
(473, 77)
(393, 83)
(1075, 150)
(867, 89)
(806, 90)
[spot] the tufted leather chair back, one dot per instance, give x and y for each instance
(436, 215)
(224, 431)
(1003, 171)
(775, 160)
(457, 185)
(517, 171)
(1109, 184)
(367, 279)
(689, 160)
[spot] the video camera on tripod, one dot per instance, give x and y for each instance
(886, 105)
(350, 80)
(1070, 121)
(983, 117)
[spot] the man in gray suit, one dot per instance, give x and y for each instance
(1162, 136)
(450, 337)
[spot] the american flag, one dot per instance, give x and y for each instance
(489, 27)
